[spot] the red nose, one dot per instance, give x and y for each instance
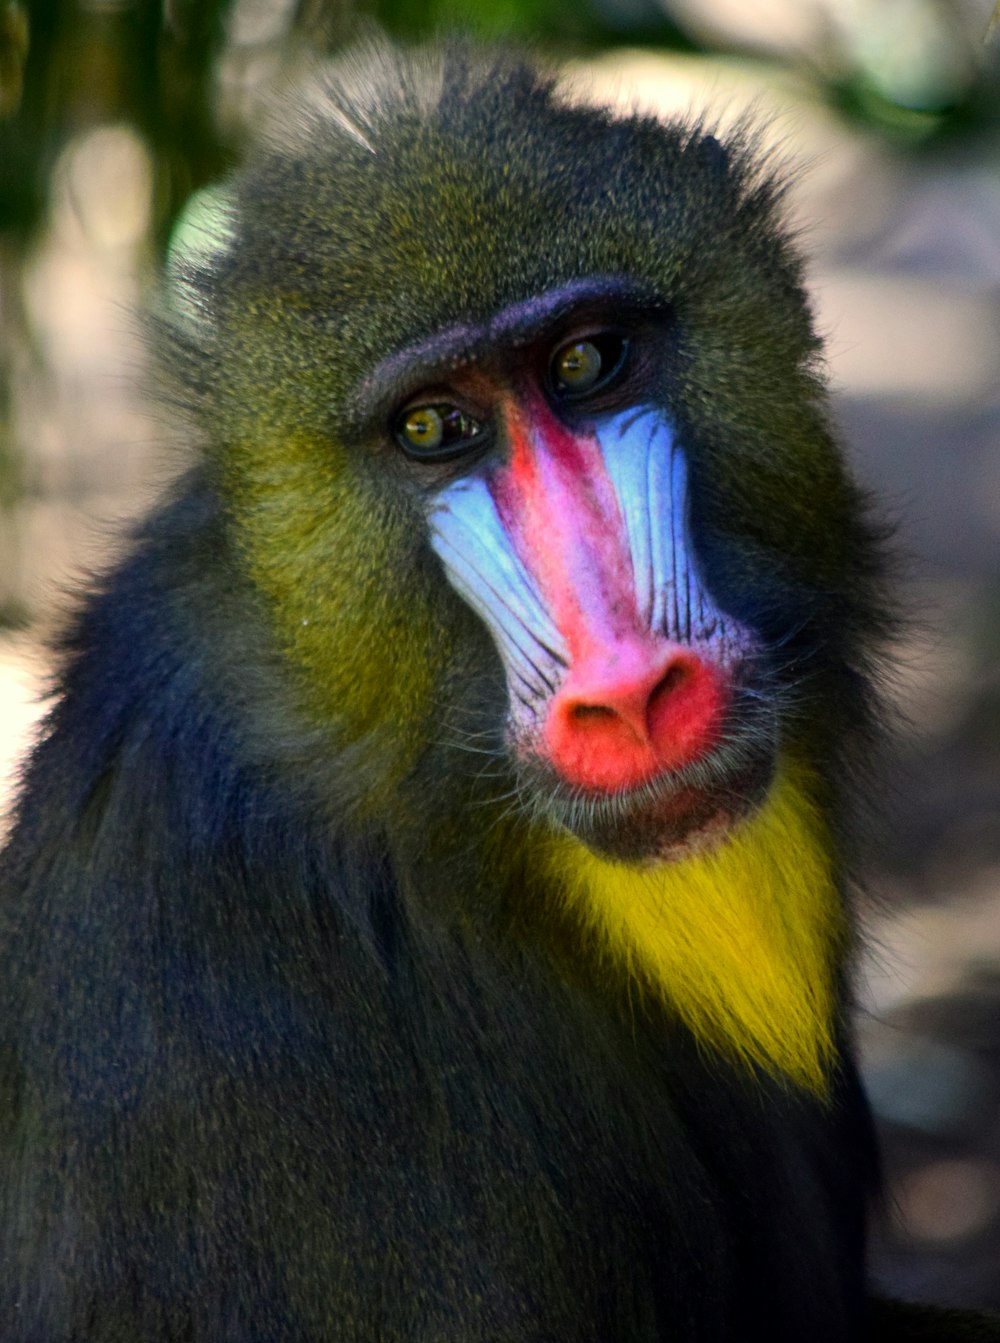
(631, 713)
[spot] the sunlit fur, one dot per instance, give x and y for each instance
(741, 939)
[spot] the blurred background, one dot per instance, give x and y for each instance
(115, 114)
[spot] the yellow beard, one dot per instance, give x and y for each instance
(742, 940)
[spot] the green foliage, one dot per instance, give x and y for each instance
(562, 23)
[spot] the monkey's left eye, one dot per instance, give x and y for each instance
(436, 433)
(584, 366)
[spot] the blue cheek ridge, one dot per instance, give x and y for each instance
(469, 537)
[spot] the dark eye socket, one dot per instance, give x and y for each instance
(581, 367)
(436, 433)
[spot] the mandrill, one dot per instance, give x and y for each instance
(425, 918)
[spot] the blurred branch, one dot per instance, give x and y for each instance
(993, 27)
(13, 54)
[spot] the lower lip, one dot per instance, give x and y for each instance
(681, 824)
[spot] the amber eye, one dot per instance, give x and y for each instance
(585, 366)
(436, 433)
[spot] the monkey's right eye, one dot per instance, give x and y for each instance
(583, 367)
(436, 433)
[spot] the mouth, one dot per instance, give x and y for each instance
(678, 813)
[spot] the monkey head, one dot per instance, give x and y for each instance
(515, 409)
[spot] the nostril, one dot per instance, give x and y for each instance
(672, 679)
(584, 713)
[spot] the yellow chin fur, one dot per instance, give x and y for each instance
(742, 940)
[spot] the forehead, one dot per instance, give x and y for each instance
(463, 207)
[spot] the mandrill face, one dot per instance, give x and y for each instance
(562, 517)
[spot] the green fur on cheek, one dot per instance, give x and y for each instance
(340, 568)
